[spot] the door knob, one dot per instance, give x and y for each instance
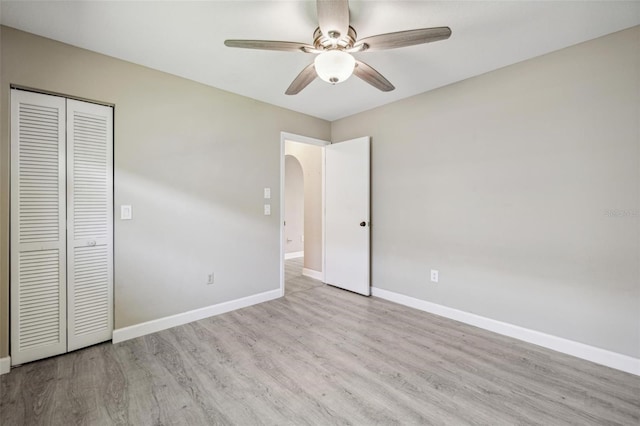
(363, 223)
(91, 243)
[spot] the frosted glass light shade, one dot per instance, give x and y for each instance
(334, 66)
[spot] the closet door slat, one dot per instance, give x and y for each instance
(38, 234)
(90, 223)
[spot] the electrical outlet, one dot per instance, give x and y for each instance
(210, 279)
(434, 275)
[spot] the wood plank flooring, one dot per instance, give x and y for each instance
(293, 278)
(319, 356)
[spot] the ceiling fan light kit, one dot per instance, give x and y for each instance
(334, 41)
(334, 66)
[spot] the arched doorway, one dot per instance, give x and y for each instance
(302, 208)
(293, 208)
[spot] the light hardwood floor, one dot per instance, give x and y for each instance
(293, 278)
(319, 356)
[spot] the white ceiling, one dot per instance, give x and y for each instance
(186, 39)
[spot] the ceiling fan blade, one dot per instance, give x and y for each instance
(303, 79)
(283, 46)
(333, 17)
(403, 39)
(371, 76)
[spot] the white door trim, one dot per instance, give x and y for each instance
(285, 136)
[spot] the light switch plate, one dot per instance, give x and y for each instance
(267, 209)
(267, 193)
(126, 212)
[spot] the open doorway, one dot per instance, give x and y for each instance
(302, 219)
(293, 207)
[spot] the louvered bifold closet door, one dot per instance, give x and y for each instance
(38, 235)
(90, 223)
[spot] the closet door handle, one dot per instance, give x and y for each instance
(91, 243)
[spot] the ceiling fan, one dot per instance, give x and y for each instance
(335, 40)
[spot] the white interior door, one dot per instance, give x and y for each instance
(347, 235)
(90, 223)
(38, 234)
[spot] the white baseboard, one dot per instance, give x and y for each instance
(312, 274)
(559, 344)
(138, 330)
(293, 255)
(5, 365)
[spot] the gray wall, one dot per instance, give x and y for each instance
(310, 158)
(522, 187)
(187, 162)
(293, 205)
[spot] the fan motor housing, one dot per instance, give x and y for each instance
(344, 41)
